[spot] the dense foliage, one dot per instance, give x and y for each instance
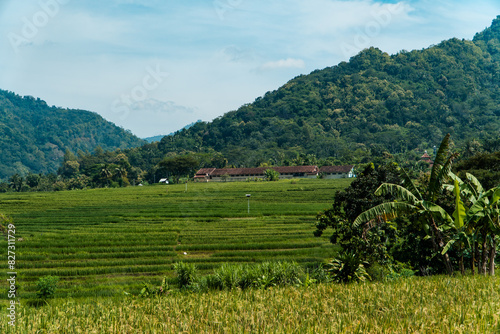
(372, 104)
(385, 243)
(417, 223)
(34, 136)
(484, 166)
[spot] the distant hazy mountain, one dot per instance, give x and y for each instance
(159, 137)
(154, 138)
(34, 136)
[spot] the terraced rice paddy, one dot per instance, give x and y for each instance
(104, 241)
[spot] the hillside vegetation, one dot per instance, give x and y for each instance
(34, 136)
(374, 103)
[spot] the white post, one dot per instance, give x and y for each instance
(248, 196)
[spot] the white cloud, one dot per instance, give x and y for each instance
(283, 63)
(153, 117)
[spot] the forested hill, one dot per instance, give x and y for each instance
(374, 103)
(34, 136)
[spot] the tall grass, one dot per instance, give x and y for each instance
(418, 305)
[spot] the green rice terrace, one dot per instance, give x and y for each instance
(103, 242)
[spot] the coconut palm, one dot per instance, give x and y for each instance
(105, 174)
(410, 201)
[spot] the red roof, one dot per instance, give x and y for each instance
(336, 169)
(239, 171)
(262, 170)
(205, 171)
(296, 169)
(312, 170)
(425, 156)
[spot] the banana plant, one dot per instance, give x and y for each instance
(461, 239)
(484, 214)
(409, 200)
(480, 221)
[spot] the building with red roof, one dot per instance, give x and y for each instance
(286, 172)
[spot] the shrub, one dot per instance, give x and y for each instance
(263, 275)
(272, 175)
(46, 287)
(228, 277)
(389, 272)
(320, 275)
(186, 274)
(149, 291)
(347, 267)
(284, 273)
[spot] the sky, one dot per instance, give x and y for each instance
(154, 66)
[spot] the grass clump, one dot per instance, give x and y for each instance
(262, 275)
(186, 274)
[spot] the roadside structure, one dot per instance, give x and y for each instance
(286, 172)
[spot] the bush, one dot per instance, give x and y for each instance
(186, 274)
(320, 275)
(263, 275)
(46, 287)
(347, 267)
(149, 291)
(272, 175)
(389, 272)
(228, 277)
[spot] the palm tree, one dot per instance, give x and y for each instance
(409, 200)
(105, 174)
(16, 182)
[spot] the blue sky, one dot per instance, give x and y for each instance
(154, 66)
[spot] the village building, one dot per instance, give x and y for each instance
(337, 172)
(286, 172)
(427, 158)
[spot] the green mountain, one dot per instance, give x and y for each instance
(34, 136)
(374, 103)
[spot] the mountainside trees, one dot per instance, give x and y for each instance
(373, 104)
(34, 136)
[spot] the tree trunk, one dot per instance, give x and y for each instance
(462, 268)
(473, 258)
(440, 243)
(493, 252)
(484, 257)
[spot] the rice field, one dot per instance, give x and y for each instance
(415, 305)
(101, 242)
